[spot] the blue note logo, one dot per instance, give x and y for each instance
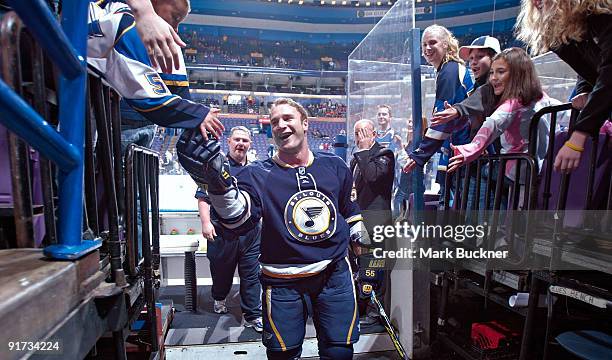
(310, 216)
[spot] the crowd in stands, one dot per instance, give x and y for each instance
(239, 104)
(301, 55)
(327, 109)
(227, 50)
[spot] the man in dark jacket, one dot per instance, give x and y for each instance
(373, 168)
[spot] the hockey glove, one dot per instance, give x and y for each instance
(359, 234)
(204, 161)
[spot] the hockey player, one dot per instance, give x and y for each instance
(117, 54)
(308, 219)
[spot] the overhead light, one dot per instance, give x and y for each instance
(300, 2)
(322, 2)
(378, 3)
(367, 3)
(333, 2)
(344, 2)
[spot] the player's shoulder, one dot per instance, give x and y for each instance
(259, 166)
(328, 158)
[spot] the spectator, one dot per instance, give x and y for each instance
(160, 40)
(115, 51)
(514, 78)
(580, 32)
(453, 81)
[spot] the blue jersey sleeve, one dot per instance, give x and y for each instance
(452, 84)
(116, 53)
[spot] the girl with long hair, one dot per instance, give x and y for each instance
(514, 79)
(580, 33)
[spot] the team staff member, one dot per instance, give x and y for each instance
(308, 221)
(117, 54)
(373, 169)
(224, 253)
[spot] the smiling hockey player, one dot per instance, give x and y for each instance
(308, 219)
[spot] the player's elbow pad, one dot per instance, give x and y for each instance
(233, 207)
(359, 234)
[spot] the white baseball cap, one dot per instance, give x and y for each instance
(483, 42)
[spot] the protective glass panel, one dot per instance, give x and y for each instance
(557, 77)
(379, 72)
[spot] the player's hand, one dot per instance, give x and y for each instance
(456, 161)
(580, 100)
(567, 159)
(208, 231)
(160, 40)
(442, 117)
(410, 165)
(212, 124)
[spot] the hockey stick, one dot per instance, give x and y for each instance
(390, 330)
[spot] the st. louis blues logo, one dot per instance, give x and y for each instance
(310, 216)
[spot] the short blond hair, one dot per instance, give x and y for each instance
(559, 23)
(292, 103)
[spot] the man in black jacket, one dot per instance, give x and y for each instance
(373, 168)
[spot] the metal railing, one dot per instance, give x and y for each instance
(67, 50)
(142, 188)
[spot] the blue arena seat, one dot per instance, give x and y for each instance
(587, 344)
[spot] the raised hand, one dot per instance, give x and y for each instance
(212, 125)
(456, 161)
(442, 117)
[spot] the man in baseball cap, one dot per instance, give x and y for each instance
(479, 55)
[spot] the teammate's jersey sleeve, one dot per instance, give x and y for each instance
(116, 53)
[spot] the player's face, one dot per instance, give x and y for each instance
(434, 48)
(173, 12)
(288, 129)
(480, 62)
(499, 76)
(383, 117)
(239, 144)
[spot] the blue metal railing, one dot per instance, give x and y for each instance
(67, 49)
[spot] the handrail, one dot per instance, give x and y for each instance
(49, 35)
(19, 117)
(67, 48)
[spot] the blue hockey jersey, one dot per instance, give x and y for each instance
(116, 53)
(453, 82)
(306, 212)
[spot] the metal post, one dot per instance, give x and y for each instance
(417, 113)
(72, 114)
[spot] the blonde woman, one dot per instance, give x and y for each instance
(580, 33)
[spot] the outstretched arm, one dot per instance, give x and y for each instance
(209, 168)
